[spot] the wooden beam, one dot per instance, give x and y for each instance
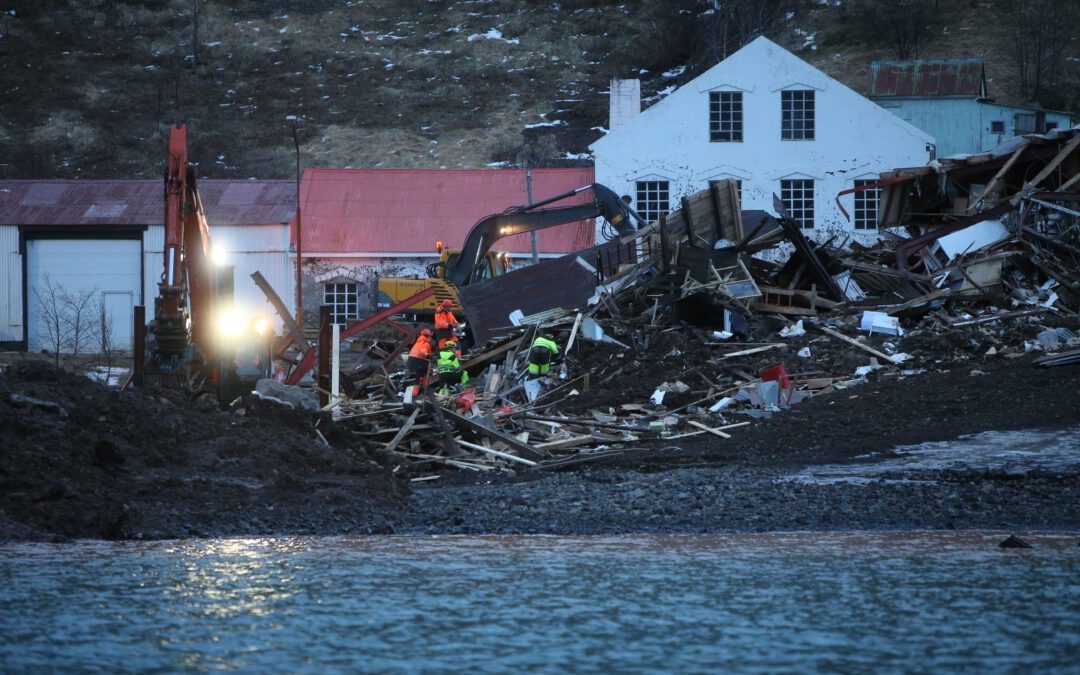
(403, 430)
(989, 187)
(704, 427)
(286, 317)
(504, 455)
(852, 341)
(474, 426)
(1057, 160)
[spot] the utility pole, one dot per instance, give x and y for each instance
(528, 192)
(292, 122)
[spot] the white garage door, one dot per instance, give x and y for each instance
(103, 272)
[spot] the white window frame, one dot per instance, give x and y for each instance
(864, 214)
(653, 198)
(343, 298)
(725, 117)
(797, 113)
(797, 194)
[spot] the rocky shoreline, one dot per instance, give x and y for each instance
(83, 461)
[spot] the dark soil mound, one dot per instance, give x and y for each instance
(81, 460)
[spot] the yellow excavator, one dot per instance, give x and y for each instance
(475, 262)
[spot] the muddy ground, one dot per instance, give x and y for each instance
(79, 460)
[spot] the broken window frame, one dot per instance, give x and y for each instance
(997, 126)
(725, 117)
(343, 300)
(801, 212)
(653, 198)
(797, 115)
(864, 214)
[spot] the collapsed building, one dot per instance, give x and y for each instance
(713, 316)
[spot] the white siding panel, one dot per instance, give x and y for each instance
(78, 266)
(11, 305)
(278, 272)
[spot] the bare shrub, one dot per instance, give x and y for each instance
(1040, 31)
(52, 309)
(902, 25)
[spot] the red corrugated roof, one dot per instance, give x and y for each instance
(959, 77)
(141, 202)
(409, 210)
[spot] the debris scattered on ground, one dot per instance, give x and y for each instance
(688, 334)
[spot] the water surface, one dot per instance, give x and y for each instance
(794, 602)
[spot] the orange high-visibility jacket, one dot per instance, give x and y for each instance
(444, 318)
(421, 349)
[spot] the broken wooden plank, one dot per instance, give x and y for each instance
(705, 427)
(504, 455)
(476, 427)
(755, 350)
(573, 333)
(706, 430)
(856, 343)
(403, 430)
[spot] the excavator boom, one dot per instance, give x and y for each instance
(465, 268)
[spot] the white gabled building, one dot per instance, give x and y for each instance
(769, 120)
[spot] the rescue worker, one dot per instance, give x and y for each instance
(543, 352)
(445, 322)
(418, 363)
(448, 368)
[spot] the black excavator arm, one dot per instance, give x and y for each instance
(466, 267)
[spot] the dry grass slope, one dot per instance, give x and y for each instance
(90, 86)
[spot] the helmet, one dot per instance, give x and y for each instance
(426, 332)
(450, 342)
(547, 336)
(447, 303)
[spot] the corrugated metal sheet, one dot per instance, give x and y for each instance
(958, 77)
(11, 280)
(409, 210)
(563, 282)
(140, 202)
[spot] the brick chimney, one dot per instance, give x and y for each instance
(625, 102)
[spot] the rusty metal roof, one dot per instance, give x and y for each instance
(957, 77)
(409, 210)
(141, 202)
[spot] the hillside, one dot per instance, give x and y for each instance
(90, 86)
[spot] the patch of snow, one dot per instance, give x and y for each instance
(215, 43)
(498, 165)
(556, 123)
(284, 30)
(580, 155)
(600, 129)
(674, 72)
(493, 34)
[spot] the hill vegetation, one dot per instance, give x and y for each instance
(90, 86)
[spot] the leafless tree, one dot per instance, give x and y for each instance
(730, 24)
(103, 331)
(900, 24)
(1040, 32)
(79, 314)
(52, 313)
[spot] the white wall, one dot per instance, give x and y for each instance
(11, 303)
(854, 138)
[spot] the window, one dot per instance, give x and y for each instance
(797, 115)
(997, 127)
(341, 298)
(798, 198)
(866, 206)
(652, 199)
(725, 116)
